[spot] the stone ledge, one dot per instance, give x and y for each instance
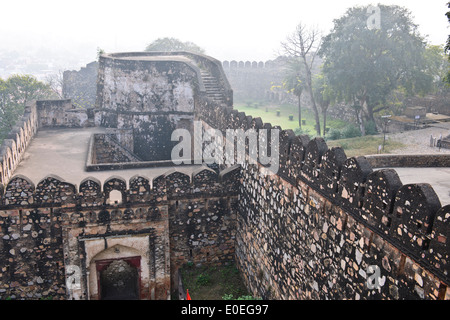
(410, 161)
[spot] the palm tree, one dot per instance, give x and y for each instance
(294, 82)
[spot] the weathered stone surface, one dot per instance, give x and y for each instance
(317, 230)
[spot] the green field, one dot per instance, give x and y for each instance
(268, 114)
(363, 146)
(358, 146)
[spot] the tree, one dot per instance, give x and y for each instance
(100, 51)
(25, 88)
(55, 83)
(365, 64)
(294, 82)
(432, 77)
(172, 44)
(447, 46)
(325, 96)
(15, 93)
(303, 44)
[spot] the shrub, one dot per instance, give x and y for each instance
(371, 128)
(334, 134)
(245, 297)
(351, 131)
(203, 279)
(300, 132)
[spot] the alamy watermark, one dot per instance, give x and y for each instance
(73, 280)
(211, 147)
(375, 280)
(374, 20)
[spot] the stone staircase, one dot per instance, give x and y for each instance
(213, 89)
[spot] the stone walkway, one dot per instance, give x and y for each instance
(418, 142)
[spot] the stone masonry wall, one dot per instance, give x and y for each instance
(315, 230)
(106, 149)
(37, 114)
(312, 230)
(61, 113)
(80, 86)
(48, 228)
(14, 146)
(151, 97)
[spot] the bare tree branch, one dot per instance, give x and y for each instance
(304, 43)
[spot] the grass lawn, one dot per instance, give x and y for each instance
(268, 114)
(213, 283)
(353, 147)
(362, 146)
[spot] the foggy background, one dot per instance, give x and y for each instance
(45, 36)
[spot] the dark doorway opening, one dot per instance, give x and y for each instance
(119, 279)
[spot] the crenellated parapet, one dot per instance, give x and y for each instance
(53, 224)
(409, 217)
(311, 230)
(53, 191)
(14, 146)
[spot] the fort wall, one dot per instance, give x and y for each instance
(14, 146)
(317, 229)
(80, 86)
(312, 230)
(53, 228)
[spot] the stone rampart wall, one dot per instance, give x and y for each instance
(39, 225)
(312, 230)
(14, 146)
(37, 114)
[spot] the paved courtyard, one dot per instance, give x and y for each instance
(63, 152)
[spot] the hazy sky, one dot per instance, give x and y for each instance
(227, 30)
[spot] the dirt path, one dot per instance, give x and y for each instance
(418, 141)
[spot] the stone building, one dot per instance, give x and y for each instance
(92, 207)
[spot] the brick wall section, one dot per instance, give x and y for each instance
(79, 86)
(61, 113)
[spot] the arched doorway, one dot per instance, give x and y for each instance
(119, 279)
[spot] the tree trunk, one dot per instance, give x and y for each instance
(362, 126)
(311, 94)
(316, 114)
(324, 121)
(300, 111)
(359, 116)
(364, 107)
